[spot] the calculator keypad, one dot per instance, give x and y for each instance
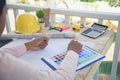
(93, 32)
(87, 31)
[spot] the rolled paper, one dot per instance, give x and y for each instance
(36, 35)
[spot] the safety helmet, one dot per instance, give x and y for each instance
(26, 24)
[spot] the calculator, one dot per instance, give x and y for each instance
(95, 30)
(87, 56)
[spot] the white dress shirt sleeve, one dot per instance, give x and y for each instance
(12, 68)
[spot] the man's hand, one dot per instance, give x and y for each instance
(75, 46)
(37, 44)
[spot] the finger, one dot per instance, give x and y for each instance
(43, 46)
(45, 38)
(44, 42)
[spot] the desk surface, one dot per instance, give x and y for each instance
(102, 44)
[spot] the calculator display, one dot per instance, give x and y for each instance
(99, 27)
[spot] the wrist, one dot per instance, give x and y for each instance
(72, 51)
(27, 46)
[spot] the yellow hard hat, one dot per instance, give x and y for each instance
(26, 24)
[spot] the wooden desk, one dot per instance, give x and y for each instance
(102, 45)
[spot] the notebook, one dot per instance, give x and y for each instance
(87, 56)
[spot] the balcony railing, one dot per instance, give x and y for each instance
(70, 12)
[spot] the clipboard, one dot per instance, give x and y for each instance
(87, 56)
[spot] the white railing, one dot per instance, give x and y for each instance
(78, 13)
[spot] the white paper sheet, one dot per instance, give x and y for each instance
(55, 46)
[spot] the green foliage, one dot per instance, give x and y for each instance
(88, 0)
(113, 3)
(64, 2)
(22, 1)
(40, 13)
(36, 0)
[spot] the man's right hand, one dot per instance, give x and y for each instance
(75, 46)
